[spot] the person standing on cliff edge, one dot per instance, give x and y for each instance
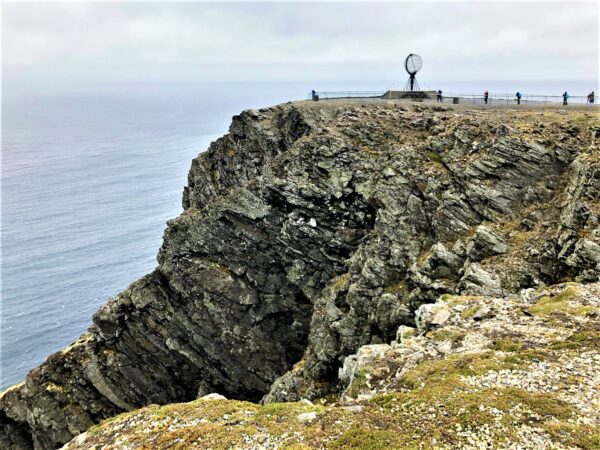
(486, 95)
(518, 95)
(565, 97)
(439, 95)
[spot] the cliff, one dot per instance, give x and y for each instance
(311, 230)
(478, 372)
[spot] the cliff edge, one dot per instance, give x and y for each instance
(477, 372)
(311, 230)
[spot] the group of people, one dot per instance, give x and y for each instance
(486, 97)
(519, 96)
(565, 96)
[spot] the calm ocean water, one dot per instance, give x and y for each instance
(89, 178)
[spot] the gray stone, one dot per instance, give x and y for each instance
(423, 316)
(477, 281)
(353, 408)
(485, 243)
(307, 417)
(440, 317)
(212, 397)
(405, 332)
(481, 313)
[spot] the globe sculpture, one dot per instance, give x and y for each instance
(413, 63)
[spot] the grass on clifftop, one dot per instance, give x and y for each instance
(559, 304)
(436, 407)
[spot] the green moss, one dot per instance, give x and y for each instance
(397, 421)
(445, 297)
(365, 439)
(359, 381)
(559, 304)
(519, 358)
(409, 332)
(214, 435)
(583, 339)
(507, 345)
(340, 282)
(454, 300)
(574, 435)
(468, 409)
(448, 372)
(469, 312)
(398, 288)
(105, 424)
(450, 369)
(448, 335)
(435, 157)
(287, 409)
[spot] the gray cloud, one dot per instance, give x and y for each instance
(262, 41)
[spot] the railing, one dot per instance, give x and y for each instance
(347, 94)
(469, 98)
(511, 99)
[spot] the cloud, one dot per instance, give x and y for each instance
(238, 41)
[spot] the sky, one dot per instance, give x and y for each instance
(81, 42)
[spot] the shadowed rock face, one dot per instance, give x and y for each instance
(313, 229)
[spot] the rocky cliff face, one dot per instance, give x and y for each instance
(311, 230)
(514, 372)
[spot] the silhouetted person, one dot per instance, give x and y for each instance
(486, 95)
(315, 97)
(565, 98)
(439, 95)
(590, 98)
(518, 95)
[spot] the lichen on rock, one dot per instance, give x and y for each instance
(503, 380)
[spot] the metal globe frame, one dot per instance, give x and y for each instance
(412, 64)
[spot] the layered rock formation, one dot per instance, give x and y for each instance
(514, 372)
(311, 230)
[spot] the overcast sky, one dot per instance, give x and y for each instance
(113, 42)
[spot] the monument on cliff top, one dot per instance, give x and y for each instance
(412, 64)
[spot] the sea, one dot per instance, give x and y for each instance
(90, 175)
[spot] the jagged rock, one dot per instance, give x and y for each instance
(311, 230)
(424, 316)
(495, 376)
(478, 281)
(586, 256)
(485, 243)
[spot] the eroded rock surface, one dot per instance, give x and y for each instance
(311, 230)
(515, 372)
